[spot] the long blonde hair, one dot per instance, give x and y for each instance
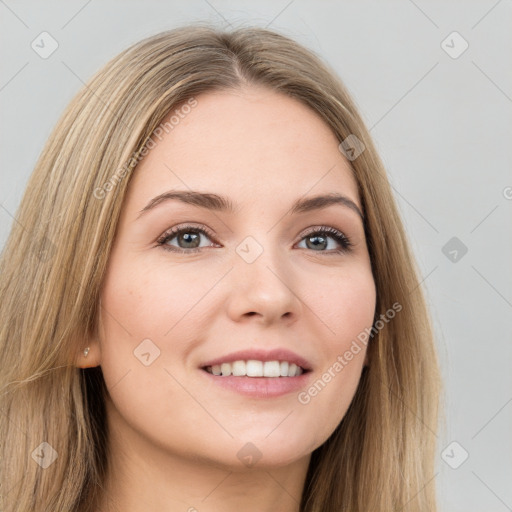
(380, 457)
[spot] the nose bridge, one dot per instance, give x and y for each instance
(259, 252)
(262, 278)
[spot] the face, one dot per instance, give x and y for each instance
(190, 286)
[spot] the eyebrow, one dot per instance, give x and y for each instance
(223, 204)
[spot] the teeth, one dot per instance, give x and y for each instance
(253, 368)
(271, 369)
(225, 369)
(292, 370)
(239, 368)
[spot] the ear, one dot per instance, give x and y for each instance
(93, 357)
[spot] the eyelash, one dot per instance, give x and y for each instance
(344, 242)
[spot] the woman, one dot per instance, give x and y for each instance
(208, 299)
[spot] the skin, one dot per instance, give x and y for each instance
(174, 435)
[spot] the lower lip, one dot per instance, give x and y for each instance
(261, 387)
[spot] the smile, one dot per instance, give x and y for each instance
(255, 368)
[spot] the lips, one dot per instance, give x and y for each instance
(279, 354)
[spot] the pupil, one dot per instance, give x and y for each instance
(190, 238)
(316, 238)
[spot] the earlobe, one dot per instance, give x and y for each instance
(89, 357)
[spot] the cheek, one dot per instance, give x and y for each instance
(143, 330)
(344, 302)
(148, 300)
(160, 303)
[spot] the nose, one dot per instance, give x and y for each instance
(263, 290)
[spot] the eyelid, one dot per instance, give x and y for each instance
(172, 232)
(343, 240)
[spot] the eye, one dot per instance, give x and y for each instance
(189, 239)
(318, 239)
(188, 236)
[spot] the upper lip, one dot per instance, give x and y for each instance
(278, 354)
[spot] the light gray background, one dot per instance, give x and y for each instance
(442, 126)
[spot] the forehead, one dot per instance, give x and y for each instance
(252, 145)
